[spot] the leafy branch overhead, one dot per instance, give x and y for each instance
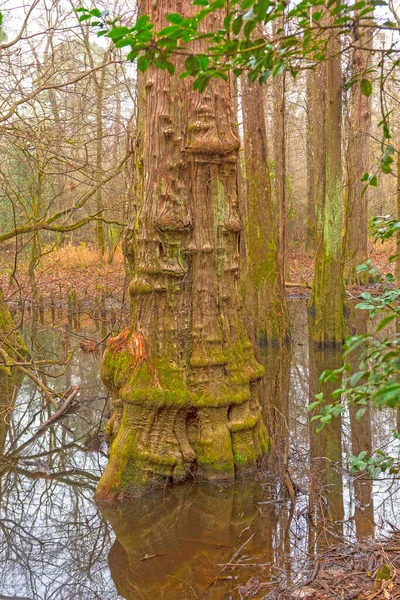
(245, 42)
(259, 37)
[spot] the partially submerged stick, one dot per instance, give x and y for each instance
(61, 410)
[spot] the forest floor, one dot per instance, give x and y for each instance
(367, 570)
(82, 270)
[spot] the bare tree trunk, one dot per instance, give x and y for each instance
(265, 285)
(280, 165)
(328, 287)
(397, 266)
(311, 224)
(99, 83)
(356, 220)
(183, 377)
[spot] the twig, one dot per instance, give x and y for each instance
(237, 552)
(61, 410)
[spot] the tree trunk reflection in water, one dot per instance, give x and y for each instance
(176, 545)
(361, 440)
(274, 395)
(326, 483)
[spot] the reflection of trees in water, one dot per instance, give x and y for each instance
(53, 542)
(326, 482)
(175, 544)
(361, 439)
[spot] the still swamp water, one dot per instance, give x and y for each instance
(197, 540)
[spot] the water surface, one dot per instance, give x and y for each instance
(197, 540)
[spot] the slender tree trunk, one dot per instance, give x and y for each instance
(356, 220)
(280, 166)
(311, 224)
(183, 376)
(100, 83)
(328, 287)
(397, 266)
(265, 285)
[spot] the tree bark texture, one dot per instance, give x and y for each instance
(328, 285)
(311, 224)
(183, 377)
(357, 164)
(280, 168)
(264, 281)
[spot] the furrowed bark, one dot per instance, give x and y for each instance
(264, 281)
(356, 220)
(327, 296)
(183, 377)
(311, 224)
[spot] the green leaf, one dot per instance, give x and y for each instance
(143, 63)
(366, 87)
(117, 33)
(203, 61)
(142, 22)
(174, 18)
(360, 413)
(237, 25)
(201, 83)
(192, 64)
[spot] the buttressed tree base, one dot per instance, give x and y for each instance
(184, 378)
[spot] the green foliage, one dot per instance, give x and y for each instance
(374, 465)
(237, 46)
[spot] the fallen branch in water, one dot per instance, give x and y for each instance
(61, 410)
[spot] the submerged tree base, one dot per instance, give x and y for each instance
(166, 427)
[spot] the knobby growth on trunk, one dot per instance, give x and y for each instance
(183, 377)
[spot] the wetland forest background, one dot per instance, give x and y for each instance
(199, 300)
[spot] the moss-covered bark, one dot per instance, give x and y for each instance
(264, 279)
(183, 377)
(328, 286)
(356, 219)
(12, 346)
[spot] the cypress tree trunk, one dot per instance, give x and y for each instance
(265, 286)
(183, 376)
(357, 165)
(328, 287)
